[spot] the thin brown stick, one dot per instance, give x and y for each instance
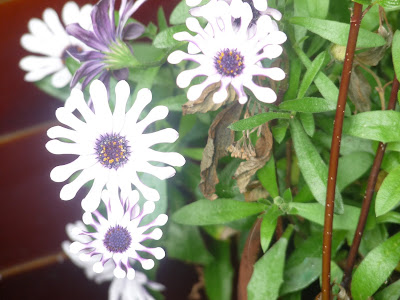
(373, 176)
(249, 257)
(20, 134)
(334, 156)
(33, 265)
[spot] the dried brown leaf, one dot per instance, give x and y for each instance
(248, 168)
(220, 137)
(255, 191)
(205, 103)
(360, 90)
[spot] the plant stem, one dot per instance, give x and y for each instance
(32, 265)
(368, 197)
(249, 257)
(334, 155)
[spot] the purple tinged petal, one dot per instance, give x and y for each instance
(105, 78)
(88, 55)
(132, 31)
(124, 16)
(86, 69)
(90, 77)
(121, 74)
(85, 36)
(101, 22)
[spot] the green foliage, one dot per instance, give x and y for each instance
(338, 33)
(389, 193)
(375, 268)
(308, 105)
(258, 120)
(206, 212)
(396, 52)
(268, 226)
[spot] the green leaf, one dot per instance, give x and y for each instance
(307, 120)
(311, 72)
(268, 226)
(352, 167)
(267, 177)
(392, 292)
(193, 153)
(375, 269)
(302, 275)
(315, 213)
(390, 217)
(313, 168)
(257, 120)
(174, 103)
(308, 105)
(185, 243)
(219, 275)
(318, 8)
(383, 126)
(180, 14)
(294, 78)
(162, 21)
(220, 211)
(388, 195)
(338, 33)
(396, 52)
(279, 130)
(165, 38)
(391, 4)
(268, 269)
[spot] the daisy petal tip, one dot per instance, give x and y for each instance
(57, 175)
(193, 2)
(75, 247)
(220, 96)
(122, 87)
(162, 219)
(119, 273)
(87, 218)
(176, 57)
(67, 193)
(131, 274)
(145, 95)
(90, 204)
(148, 207)
(159, 253)
(242, 99)
(98, 267)
(260, 5)
(156, 234)
(147, 264)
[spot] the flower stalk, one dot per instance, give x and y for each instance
(368, 197)
(334, 155)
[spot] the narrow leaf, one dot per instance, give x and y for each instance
(307, 120)
(220, 211)
(315, 212)
(165, 38)
(268, 226)
(258, 120)
(392, 292)
(310, 74)
(268, 273)
(313, 168)
(375, 268)
(267, 177)
(396, 52)
(352, 167)
(388, 195)
(308, 105)
(338, 33)
(383, 126)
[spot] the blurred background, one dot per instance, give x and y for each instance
(32, 216)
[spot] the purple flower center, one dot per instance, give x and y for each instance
(70, 49)
(117, 239)
(229, 62)
(112, 150)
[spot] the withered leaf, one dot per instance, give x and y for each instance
(373, 56)
(360, 90)
(255, 191)
(219, 138)
(249, 167)
(205, 103)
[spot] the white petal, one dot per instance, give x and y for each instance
(148, 193)
(264, 94)
(157, 113)
(260, 5)
(61, 78)
(57, 147)
(193, 2)
(143, 98)
(62, 173)
(195, 91)
(85, 19)
(39, 74)
(32, 44)
(92, 200)
(273, 73)
(171, 158)
(221, 95)
(167, 135)
(50, 17)
(159, 172)
(122, 92)
(99, 96)
(39, 29)
(115, 289)
(276, 14)
(70, 13)
(66, 117)
(184, 78)
(69, 190)
(62, 132)
(76, 100)
(31, 63)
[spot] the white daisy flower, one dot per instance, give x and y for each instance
(48, 38)
(111, 147)
(118, 238)
(120, 288)
(230, 56)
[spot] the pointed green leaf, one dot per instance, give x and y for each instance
(392, 292)
(257, 120)
(307, 120)
(338, 33)
(396, 52)
(267, 177)
(308, 105)
(383, 126)
(388, 195)
(315, 212)
(313, 168)
(268, 273)
(375, 268)
(352, 167)
(268, 226)
(220, 211)
(165, 38)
